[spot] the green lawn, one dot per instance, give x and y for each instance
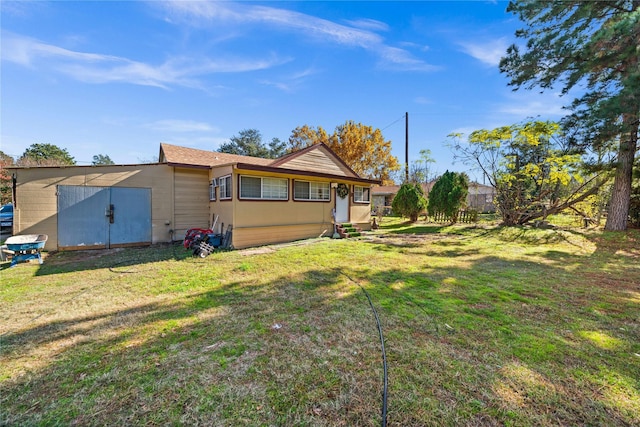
(482, 326)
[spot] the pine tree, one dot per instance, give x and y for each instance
(592, 45)
(448, 195)
(409, 201)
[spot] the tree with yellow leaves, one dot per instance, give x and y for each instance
(361, 147)
(533, 174)
(305, 136)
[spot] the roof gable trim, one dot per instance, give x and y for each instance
(319, 146)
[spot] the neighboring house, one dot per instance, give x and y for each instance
(382, 195)
(264, 200)
(480, 196)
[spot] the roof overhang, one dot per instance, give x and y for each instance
(189, 166)
(284, 171)
(127, 165)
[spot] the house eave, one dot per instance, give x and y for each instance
(121, 165)
(284, 171)
(188, 166)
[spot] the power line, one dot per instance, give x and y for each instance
(393, 123)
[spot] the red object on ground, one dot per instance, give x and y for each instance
(194, 233)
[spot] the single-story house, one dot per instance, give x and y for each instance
(480, 196)
(263, 201)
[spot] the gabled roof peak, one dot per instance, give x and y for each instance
(317, 158)
(320, 154)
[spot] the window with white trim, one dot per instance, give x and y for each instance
(361, 194)
(254, 187)
(212, 190)
(224, 183)
(311, 190)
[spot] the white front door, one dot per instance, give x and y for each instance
(342, 208)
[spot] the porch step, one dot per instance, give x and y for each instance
(347, 230)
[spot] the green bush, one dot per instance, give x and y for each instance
(449, 194)
(409, 201)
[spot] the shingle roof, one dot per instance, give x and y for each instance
(190, 157)
(384, 190)
(174, 154)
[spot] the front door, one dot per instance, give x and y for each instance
(103, 217)
(342, 208)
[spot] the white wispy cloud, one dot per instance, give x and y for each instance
(422, 100)
(413, 45)
(202, 12)
(180, 126)
(533, 109)
(291, 82)
(100, 68)
(25, 51)
(397, 58)
(201, 143)
(529, 104)
(489, 52)
(22, 8)
(369, 24)
(359, 33)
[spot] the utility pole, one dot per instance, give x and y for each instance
(406, 146)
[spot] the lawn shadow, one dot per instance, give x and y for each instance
(143, 372)
(303, 349)
(396, 225)
(541, 327)
(418, 229)
(59, 262)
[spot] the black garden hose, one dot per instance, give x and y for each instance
(385, 387)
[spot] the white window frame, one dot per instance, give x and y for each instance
(262, 179)
(314, 191)
(358, 194)
(212, 190)
(222, 184)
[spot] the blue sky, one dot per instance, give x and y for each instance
(118, 78)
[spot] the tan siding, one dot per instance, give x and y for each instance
(267, 213)
(257, 236)
(318, 161)
(224, 212)
(360, 212)
(191, 200)
(263, 213)
(221, 171)
(36, 207)
(180, 200)
(264, 222)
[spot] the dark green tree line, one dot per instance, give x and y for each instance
(249, 143)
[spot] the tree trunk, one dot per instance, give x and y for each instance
(621, 194)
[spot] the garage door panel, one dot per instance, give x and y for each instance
(132, 216)
(81, 217)
(83, 220)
